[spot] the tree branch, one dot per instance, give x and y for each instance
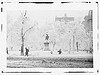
(27, 30)
(25, 13)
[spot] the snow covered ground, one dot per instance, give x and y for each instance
(57, 62)
(80, 54)
(44, 59)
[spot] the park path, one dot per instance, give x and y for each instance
(46, 54)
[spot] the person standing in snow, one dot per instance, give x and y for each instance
(26, 53)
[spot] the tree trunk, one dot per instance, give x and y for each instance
(53, 46)
(54, 43)
(73, 42)
(22, 45)
(69, 46)
(77, 46)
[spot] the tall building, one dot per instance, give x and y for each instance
(64, 18)
(88, 24)
(88, 21)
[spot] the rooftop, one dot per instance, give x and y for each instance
(65, 18)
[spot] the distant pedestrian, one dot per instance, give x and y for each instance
(47, 37)
(26, 53)
(51, 52)
(59, 51)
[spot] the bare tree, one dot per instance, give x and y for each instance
(23, 33)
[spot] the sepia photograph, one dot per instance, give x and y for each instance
(49, 39)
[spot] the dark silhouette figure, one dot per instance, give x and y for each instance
(47, 37)
(51, 52)
(59, 51)
(77, 46)
(26, 53)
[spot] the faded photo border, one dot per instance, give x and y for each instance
(49, 5)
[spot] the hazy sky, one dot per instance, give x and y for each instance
(43, 16)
